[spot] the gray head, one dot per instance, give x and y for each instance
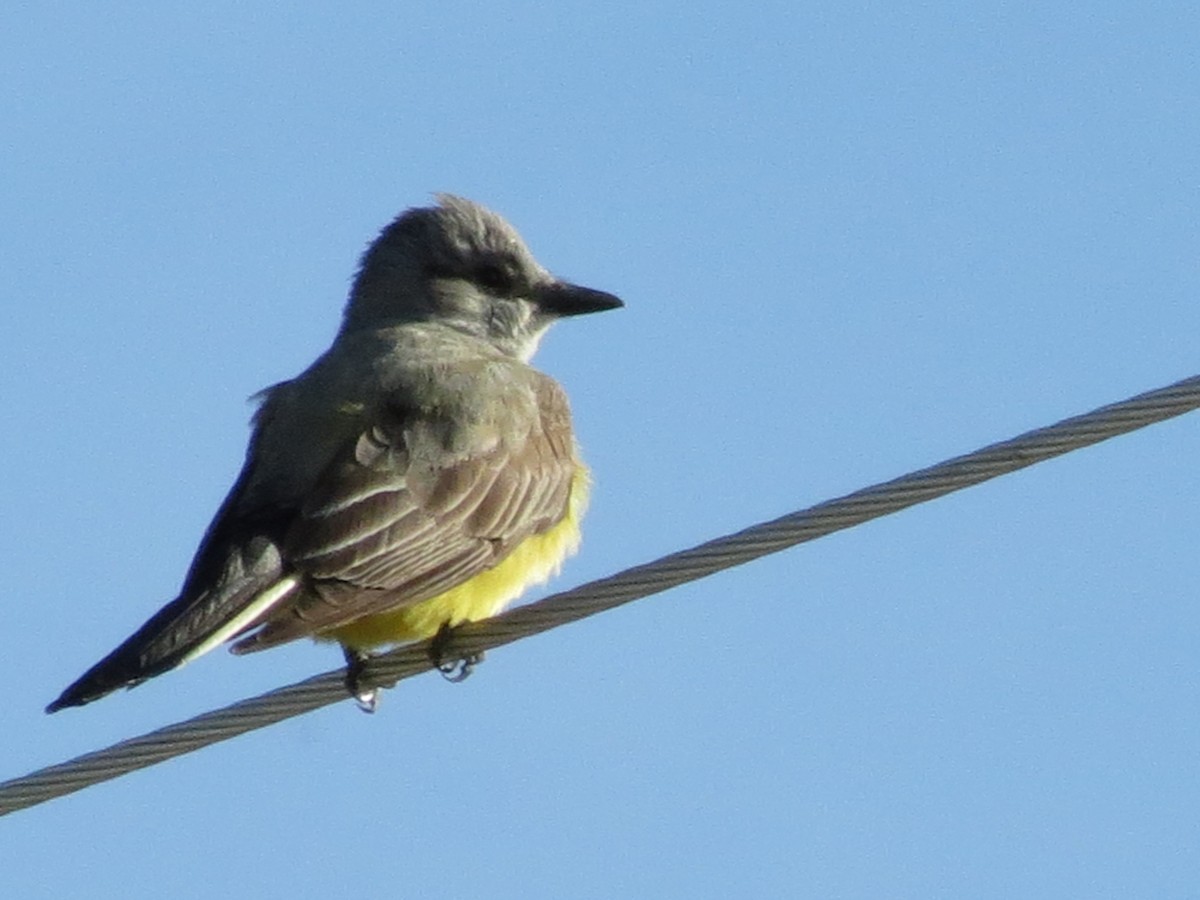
(462, 265)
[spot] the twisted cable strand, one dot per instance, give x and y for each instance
(607, 593)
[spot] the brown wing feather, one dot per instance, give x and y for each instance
(380, 532)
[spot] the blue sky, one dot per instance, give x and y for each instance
(853, 240)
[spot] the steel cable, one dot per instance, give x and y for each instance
(607, 593)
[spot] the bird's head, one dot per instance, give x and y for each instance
(462, 265)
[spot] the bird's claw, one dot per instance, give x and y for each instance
(457, 670)
(454, 668)
(367, 698)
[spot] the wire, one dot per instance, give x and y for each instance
(606, 593)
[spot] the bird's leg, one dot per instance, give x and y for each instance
(455, 668)
(367, 698)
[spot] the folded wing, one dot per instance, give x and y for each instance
(411, 508)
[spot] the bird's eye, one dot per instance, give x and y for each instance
(495, 277)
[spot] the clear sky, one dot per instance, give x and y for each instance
(853, 240)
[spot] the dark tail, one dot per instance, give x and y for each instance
(144, 654)
(247, 588)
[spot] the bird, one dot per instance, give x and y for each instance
(418, 475)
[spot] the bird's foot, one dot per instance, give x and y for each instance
(367, 698)
(454, 668)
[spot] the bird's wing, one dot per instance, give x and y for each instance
(417, 504)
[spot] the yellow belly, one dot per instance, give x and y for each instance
(533, 561)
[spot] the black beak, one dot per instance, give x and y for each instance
(564, 299)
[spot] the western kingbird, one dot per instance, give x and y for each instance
(418, 475)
